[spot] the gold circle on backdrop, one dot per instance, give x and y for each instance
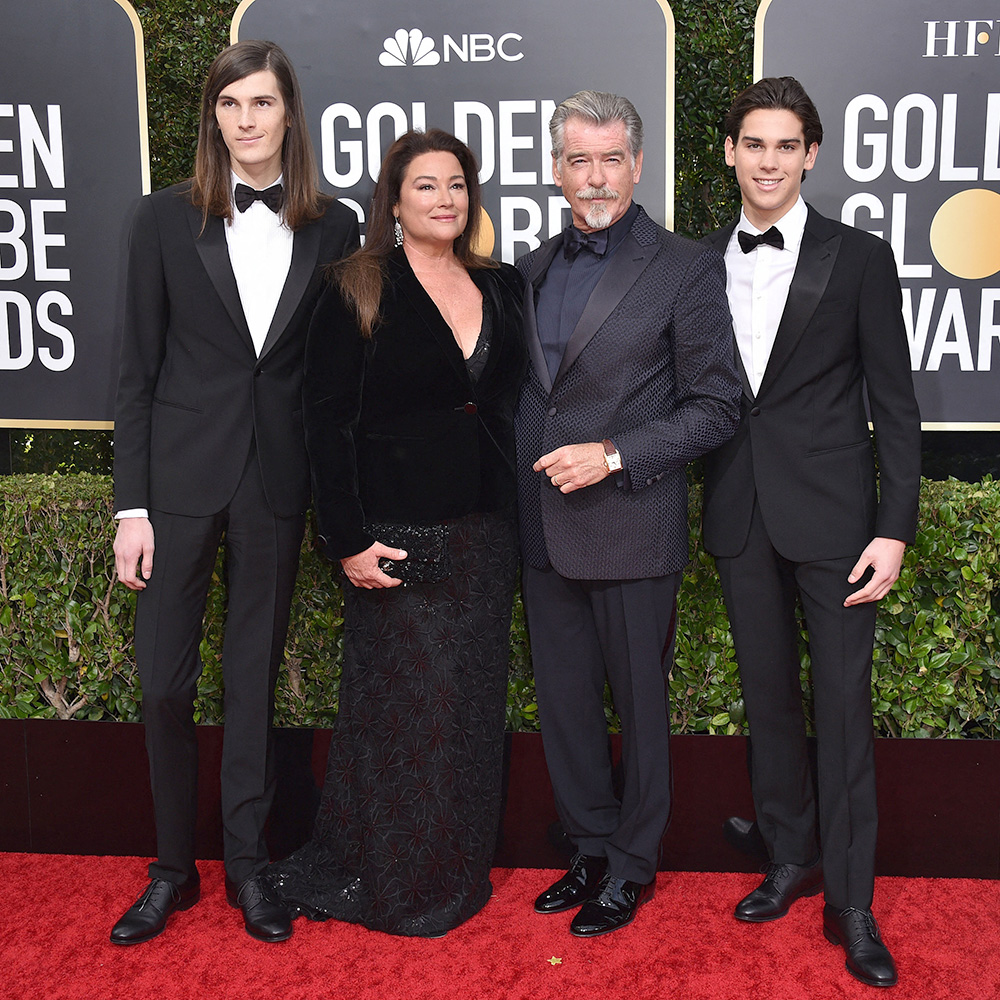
(487, 235)
(983, 37)
(965, 234)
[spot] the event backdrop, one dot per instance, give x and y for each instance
(491, 73)
(909, 94)
(73, 161)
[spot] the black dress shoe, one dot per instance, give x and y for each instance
(744, 835)
(612, 906)
(265, 917)
(856, 931)
(575, 887)
(147, 916)
(782, 885)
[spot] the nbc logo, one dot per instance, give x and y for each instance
(419, 46)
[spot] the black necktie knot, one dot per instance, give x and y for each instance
(245, 196)
(772, 237)
(574, 241)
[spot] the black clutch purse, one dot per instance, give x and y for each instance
(426, 545)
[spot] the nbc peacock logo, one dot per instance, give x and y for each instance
(413, 43)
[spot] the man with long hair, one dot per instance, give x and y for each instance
(791, 509)
(223, 274)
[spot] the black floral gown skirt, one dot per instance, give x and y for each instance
(410, 809)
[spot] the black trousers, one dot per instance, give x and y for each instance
(584, 632)
(261, 558)
(760, 588)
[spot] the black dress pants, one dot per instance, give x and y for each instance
(583, 633)
(759, 587)
(261, 559)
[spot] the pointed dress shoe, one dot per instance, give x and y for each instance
(147, 916)
(857, 933)
(575, 887)
(613, 905)
(265, 917)
(782, 885)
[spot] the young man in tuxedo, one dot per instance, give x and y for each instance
(791, 507)
(223, 273)
(631, 377)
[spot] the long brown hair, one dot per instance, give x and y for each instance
(211, 186)
(361, 277)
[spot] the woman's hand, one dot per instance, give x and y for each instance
(362, 569)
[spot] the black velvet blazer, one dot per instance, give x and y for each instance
(396, 429)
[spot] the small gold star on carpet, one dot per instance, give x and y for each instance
(554, 961)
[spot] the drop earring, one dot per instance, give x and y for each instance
(397, 232)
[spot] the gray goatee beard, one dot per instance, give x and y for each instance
(598, 216)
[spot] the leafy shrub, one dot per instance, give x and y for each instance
(66, 651)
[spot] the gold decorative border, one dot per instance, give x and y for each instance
(758, 72)
(670, 82)
(140, 86)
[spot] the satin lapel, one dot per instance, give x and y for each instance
(817, 256)
(625, 266)
(409, 288)
(305, 254)
(488, 286)
(539, 266)
(214, 252)
(720, 241)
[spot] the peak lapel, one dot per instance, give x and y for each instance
(817, 256)
(539, 266)
(305, 256)
(214, 253)
(625, 266)
(719, 240)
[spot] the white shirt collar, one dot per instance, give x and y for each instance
(791, 225)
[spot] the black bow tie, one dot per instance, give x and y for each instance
(245, 196)
(772, 237)
(574, 241)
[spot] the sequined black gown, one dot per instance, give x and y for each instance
(410, 809)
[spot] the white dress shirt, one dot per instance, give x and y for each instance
(757, 285)
(260, 251)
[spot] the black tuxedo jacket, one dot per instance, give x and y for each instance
(192, 392)
(650, 366)
(396, 428)
(803, 446)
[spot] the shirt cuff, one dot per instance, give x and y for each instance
(132, 512)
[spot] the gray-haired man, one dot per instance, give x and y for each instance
(631, 377)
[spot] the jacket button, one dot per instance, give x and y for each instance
(755, 412)
(470, 408)
(256, 374)
(552, 411)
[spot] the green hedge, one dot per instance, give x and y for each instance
(65, 627)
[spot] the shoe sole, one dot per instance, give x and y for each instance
(784, 912)
(563, 908)
(149, 937)
(833, 939)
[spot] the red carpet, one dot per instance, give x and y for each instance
(57, 912)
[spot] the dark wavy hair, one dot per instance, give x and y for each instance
(211, 186)
(361, 277)
(776, 93)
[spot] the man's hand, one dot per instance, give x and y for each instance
(885, 556)
(362, 568)
(574, 466)
(134, 551)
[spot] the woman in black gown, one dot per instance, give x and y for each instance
(413, 364)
